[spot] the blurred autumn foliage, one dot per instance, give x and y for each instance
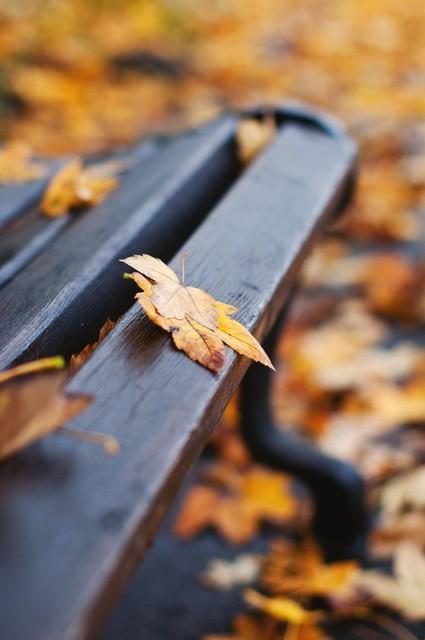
(82, 77)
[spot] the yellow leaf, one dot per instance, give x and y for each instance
(282, 609)
(73, 187)
(252, 136)
(238, 505)
(199, 325)
(171, 298)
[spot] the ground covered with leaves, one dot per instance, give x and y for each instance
(84, 77)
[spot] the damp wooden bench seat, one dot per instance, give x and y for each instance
(74, 522)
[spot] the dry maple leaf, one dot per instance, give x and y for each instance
(31, 408)
(170, 297)
(237, 508)
(17, 165)
(75, 186)
(300, 569)
(199, 324)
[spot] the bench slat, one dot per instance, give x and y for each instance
(81, 520)
(75, 282)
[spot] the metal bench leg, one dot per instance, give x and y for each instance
(340, 520)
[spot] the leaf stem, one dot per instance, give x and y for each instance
(182, 264)
(43, 364)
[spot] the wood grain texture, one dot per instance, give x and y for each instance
(74, 523)
(60, 300)
(16, 199)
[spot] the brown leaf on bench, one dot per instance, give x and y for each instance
(33, 407)
(199, 324)
(170, 297)
(74, 187)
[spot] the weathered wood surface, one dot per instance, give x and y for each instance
(76, 282)
(74, 522)
(15, 199)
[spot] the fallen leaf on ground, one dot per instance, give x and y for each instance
(253, 135)
(75, 186)
(402, 514)
(405, 592)
(238, 506)
(34, 407)
(250, 627)
(390, 532)
(199, 324)
(43, 364)
(301, 570)
(227, 574)
(282, 609)
(403, 493)
(17, 164)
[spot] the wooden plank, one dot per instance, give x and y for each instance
(74, 522)
(59, 301)
(16, 199)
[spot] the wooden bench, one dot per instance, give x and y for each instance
(74, 522)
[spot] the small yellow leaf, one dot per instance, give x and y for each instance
(74, 186)
(252, 136)
(282, 609)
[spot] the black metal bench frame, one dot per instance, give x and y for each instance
(74, 524)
